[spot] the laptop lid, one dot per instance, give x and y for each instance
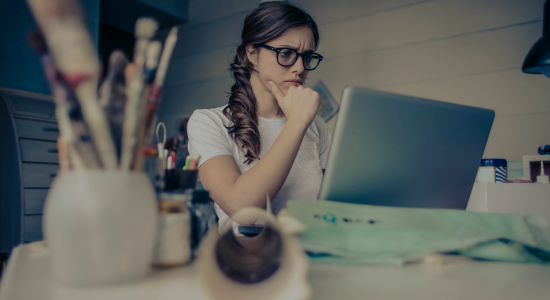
(397, 150)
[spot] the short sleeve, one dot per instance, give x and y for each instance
(325, 143)
(207, 136)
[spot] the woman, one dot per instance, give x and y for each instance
(268, 139)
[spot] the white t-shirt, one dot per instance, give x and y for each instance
(208, 137)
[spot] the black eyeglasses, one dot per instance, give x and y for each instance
(286, 57)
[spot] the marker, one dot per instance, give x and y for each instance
(193, 163)
(169, 163)
(187, 162)
(172, 160)
(197, 162)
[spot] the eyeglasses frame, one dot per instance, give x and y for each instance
(263, 45)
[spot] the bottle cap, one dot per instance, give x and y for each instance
(494, 162)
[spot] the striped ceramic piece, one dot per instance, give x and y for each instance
(501, 174)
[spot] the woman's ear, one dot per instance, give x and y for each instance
(252, 54)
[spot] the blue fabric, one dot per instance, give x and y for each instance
(353, 233)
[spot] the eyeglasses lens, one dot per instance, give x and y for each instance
(287, 56)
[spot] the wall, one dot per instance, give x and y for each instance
(462, 51)
(20, 67)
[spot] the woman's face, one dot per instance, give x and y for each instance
(265, 61)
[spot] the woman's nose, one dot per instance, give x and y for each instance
(298, 65)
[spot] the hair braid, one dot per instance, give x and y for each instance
(242, 107)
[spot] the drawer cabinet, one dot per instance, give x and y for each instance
(32, 129)
(38, 151)
(28, 163)
(38, 175)
(32, 228)
(34, 201)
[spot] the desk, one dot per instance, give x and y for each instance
(28, 277)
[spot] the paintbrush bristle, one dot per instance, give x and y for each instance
(152, 55)
(146, 28)
(173, 34)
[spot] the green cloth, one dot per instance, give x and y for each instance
(364, 234)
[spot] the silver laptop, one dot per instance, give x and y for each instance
(396, 150)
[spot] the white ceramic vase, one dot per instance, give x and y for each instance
(100, 226)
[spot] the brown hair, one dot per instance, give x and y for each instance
(267, 22)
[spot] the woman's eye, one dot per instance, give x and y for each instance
(285, 53)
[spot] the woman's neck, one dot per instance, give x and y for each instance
(268, 107)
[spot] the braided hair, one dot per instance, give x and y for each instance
(265, 23)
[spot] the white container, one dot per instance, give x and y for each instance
(506, 198)
(173, 246)
(100, 226)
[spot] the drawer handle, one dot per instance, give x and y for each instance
(52, 175)
(52, 150)
(51, 129)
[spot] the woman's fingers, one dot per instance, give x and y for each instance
(276, 91)
(299, 103)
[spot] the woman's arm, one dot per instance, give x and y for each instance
(232, 190)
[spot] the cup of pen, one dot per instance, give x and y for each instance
(178, 179)
(100, 226)
(182, 179)
(100, 215)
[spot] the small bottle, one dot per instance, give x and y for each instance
(173, 246)
(492, 170)
(203, 216)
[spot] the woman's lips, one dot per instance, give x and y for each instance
(294, 83)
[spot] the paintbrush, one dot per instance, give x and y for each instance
(65, 102)
(63, 154)
(151, 63)
(154, 100)
(152, 55)
(113, 96)
(145, 29)
(70, 120)
(63, 25)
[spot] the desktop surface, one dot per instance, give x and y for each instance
(29, 277)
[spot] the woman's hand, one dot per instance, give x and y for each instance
(300, 104)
